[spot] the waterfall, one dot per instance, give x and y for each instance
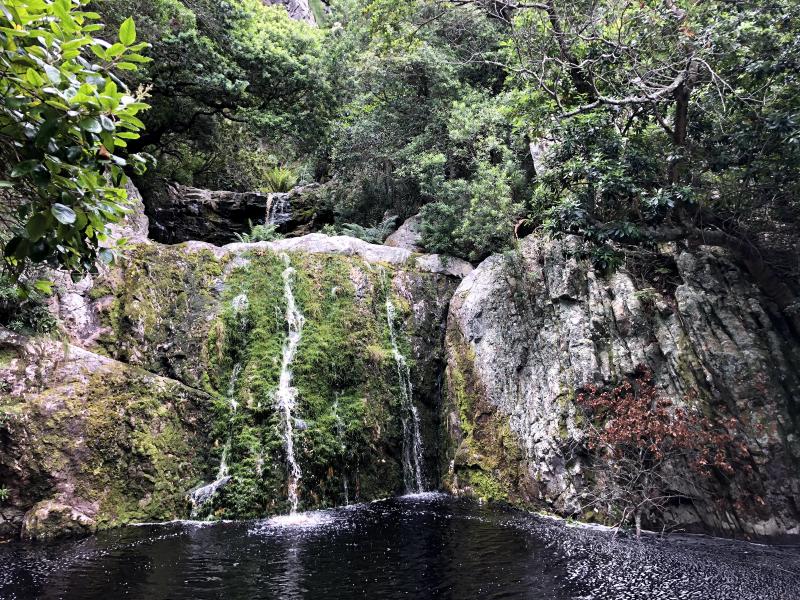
(201, 495)
(278, 209)
(287, 395)
(412, 440)
(340, 431)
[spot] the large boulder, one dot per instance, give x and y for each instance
(88, 442)
(528, 329)
(408, 235)
(50, 519)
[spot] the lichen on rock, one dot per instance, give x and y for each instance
(87, 442)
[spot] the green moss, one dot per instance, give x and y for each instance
(130, 443)
(485, 455)
(484, 486)
(158, 319)
(7, 356)
(346, 388)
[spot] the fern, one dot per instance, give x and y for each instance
(373, 235)
(279, 179)
(259, 233)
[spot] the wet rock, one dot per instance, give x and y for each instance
(50, 519)
(180, 213)
(299, 211)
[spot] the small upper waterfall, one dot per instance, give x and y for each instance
(412, 440)
(287, 395)
(278, 208)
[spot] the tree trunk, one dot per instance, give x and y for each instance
(638, 519)
(680, 128)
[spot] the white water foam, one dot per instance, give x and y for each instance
(286, 395)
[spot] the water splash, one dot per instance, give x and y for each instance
(413, 477)
(302, 520)
(286, 395)
(199, 497)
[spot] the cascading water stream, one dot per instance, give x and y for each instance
(203, 494)
(286, 395)
(340, 431)
(278, 209)
(412, 440)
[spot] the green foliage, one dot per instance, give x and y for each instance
(65, 122)
(376, 234)
(279, 179)
(260, 233)
(4, 494)
(675, 115)
(24, 310)
(234, 85)
(421, 125)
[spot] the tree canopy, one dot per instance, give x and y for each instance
(627, 123)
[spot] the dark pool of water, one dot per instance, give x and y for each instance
(429, 546)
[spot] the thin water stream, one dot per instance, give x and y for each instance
(414, 478)
(286, 395)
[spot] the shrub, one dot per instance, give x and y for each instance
(634, 434)
(66, 121)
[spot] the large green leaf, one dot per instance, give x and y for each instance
(63, 214)
(127, 32)
(37, 225)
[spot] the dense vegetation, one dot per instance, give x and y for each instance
(628, 123)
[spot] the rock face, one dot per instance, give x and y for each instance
(180, 213)
(525, 331)
(174, 367)
(407, 236)
(87, 441)
(167, 380)
(299, 10)
(300, 211)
